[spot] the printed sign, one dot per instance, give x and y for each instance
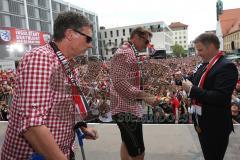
(23, 36)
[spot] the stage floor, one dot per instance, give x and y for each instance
(162, 142)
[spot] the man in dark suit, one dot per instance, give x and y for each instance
(210, 90)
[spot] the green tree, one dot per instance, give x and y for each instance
(178, 50)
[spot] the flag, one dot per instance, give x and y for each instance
(80, 102)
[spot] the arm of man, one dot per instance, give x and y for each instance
(35, 102)
(119, 68)
(42, 141)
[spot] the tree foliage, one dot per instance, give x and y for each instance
(178, 50)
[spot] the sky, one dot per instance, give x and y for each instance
(199, 15)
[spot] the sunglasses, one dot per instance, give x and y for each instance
(88, 38)
(146, 40)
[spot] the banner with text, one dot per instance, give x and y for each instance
(15, 35)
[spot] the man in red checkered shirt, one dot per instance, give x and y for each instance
(42, 115)
(126, 94)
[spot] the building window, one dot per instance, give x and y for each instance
(14, 7)
(36, 12)
(32, 24)
(43, 14)
(105, 34)
(31, 11)
(54, 15)
(115, 41)
(111, 33)
(63, 7)
(4, 5)
(44, 26)
(151, 28)
(180, 37)
(130, 30)
(30, 1)
(54, 6)
(6, 20)
(2, 20)
(117, 33)
(38, 25)
(42, 3)
(121, 40)
(16, 22)
(123, 32)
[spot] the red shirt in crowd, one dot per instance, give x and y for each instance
(175, 104)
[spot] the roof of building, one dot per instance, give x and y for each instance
(230, 21)
(177, 25)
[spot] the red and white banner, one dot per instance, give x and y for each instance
(15, 35)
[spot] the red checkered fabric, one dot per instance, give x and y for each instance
(42, 97)
(125, 82)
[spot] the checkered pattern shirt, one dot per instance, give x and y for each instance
(125, 78)
(41, 98)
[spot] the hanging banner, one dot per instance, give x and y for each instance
(15, 35)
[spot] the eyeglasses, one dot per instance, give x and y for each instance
(146, 40)
(88, 38)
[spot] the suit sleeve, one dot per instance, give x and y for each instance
(224, 83)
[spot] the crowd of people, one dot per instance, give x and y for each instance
(160, 77)
(6, 92)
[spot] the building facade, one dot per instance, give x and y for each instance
(180, 32)
(230, 26)
(39, 15)
(232, 42)
(112, 38)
